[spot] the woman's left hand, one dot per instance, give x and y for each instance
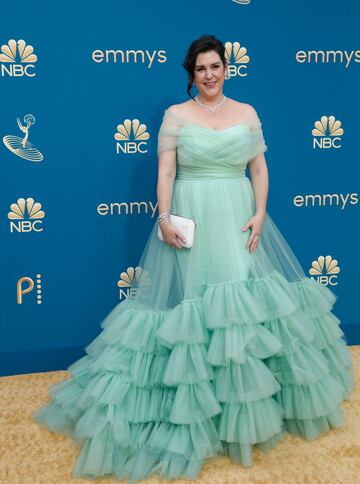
(255, 223)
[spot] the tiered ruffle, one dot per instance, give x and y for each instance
(160, 391)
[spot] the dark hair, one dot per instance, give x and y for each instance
(202, 44)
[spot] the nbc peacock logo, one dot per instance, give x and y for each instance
(26, 216)
(237, 58)
(325, 270)
(21, 146)
(132, 281)
(131, 137)
(327, 133)
(17, 59)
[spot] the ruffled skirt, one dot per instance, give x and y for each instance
(217, 351)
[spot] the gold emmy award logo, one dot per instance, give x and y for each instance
(133, 280)
(17, 59)
(29, 281)
(21, 146)
(123, 135)
(241, 59)
(327, 133)
(26, 209)
(325, 270)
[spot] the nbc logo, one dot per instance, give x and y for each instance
(325, 270)
(237, 67)
(132, 281)
(27, 285)
(129, 129)
(26, 216)
(327, 133)
(17, 59)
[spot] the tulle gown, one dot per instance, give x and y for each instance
(220, 350)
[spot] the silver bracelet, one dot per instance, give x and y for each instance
(164, 217)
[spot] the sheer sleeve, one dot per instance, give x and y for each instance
(257, 141)
(169, 132)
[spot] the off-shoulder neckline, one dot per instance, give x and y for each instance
(216, 130)
(190, 123)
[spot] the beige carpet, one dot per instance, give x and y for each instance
(31, 454)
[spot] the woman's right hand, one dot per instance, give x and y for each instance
(172, 236)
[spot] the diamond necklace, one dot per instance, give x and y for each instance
(209, 107)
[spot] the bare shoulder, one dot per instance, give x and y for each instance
(240, 110)
(180, 108)
(243, 108)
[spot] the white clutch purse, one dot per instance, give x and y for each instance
(186, 225)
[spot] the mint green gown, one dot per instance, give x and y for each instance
(219, 350)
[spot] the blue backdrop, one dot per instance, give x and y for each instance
(78, 194)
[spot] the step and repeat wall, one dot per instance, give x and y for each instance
(84, 86)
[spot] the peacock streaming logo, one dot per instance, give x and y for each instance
(131, 137)
(21, 146)
(29, 286)
(327, 133)
(133, 280)
(17, 59)
(26, 216)
(237, 58)
(325, 270)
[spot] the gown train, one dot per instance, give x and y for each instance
(218, 351)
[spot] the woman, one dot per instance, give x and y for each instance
(226, 344)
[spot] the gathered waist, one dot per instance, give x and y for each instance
(217, 176)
